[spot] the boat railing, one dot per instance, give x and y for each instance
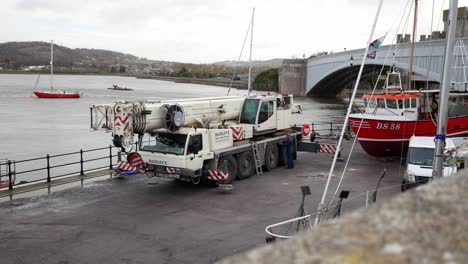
(15, 173)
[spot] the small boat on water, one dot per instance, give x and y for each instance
(56, 94)
(53, 93)
(119, 88)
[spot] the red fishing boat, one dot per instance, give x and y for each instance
(392, 117)
(53, 93)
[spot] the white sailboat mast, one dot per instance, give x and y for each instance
(321, 206)
(444, 93)
(51, 64)
(249, 86)
(415, 22)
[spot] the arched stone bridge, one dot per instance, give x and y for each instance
(327, 75)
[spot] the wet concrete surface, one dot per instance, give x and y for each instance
(141, 220)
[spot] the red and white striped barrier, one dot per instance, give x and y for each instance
(123, 165)
(217, 175)
(328, 148)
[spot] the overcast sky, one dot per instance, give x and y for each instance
(208, 30)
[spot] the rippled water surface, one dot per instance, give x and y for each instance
(32, 127)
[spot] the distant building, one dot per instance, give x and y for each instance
(462, 26)
(152, 69)
(406, 38)
(462, 22)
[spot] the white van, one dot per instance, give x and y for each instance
(419, 161)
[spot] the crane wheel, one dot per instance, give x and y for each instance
(271, 157)
(246, 165)
(229, 164)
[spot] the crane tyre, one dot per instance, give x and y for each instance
(246, 165)
(229, 164)
(271, 157)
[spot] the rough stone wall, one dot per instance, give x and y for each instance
(292, 77)
(424, 225)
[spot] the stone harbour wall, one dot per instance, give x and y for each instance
(427, 224)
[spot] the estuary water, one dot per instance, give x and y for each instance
(31, 127)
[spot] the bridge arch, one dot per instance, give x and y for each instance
(334, 81)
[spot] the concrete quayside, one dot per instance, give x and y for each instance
(140, 220)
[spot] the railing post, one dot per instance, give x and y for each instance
(331, 129)
(10, 174)
(91, 115)
(110, 157)
(81, 162)
(48, 168)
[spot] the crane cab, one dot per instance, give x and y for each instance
(266, 114)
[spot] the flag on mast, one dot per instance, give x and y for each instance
(378, 42)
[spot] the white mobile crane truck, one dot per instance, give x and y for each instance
(219, 138)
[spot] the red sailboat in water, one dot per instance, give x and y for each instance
(54, 93)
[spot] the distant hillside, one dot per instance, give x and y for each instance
(24, 56)
(38, 53)
(273, 63)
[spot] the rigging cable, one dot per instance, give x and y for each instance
(322, 205)
(367, 106)
(240, 55)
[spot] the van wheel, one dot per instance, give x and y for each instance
(229, 165)
(246, 165)
(271, 157)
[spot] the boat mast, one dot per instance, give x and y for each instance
(410, 74)
(322, 207)
(444, 93)
(249, 85)
(51, 64)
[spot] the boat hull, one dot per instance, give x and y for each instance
(56, 95)
(391, 138)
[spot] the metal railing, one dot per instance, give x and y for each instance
(363, 199)
(329, 130)
(57, 166)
